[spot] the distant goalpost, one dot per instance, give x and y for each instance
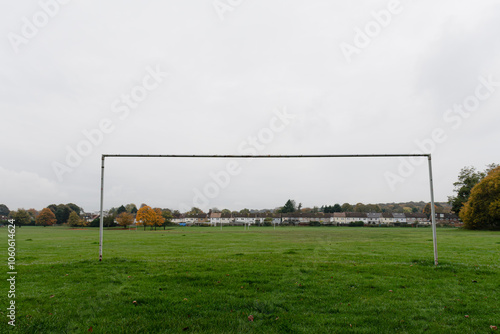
(428, 156)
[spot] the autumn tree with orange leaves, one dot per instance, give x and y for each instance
(125, 219)
(46, 218)
(150, 217)
(482, 209)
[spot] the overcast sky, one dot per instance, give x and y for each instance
(82, 78)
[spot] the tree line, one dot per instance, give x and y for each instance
(476, 201)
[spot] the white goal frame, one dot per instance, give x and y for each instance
(428, 156)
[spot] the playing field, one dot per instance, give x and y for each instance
(288, 280)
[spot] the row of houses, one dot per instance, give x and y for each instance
(337, 218)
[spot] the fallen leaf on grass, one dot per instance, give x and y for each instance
(391, 291)
(466, 316)
(250, 317)
(493, 327)
(90, 329)
(52, 296)
(134, 302)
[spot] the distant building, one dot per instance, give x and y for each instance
(399, 217)
(373, 218)
(387, 218)
(355, 217)
(196, 219)
(339, 218)
(244, 219)
(417, 218)
(448, 218)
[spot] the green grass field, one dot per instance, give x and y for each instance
(291, 280)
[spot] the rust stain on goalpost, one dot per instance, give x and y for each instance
(104, 156)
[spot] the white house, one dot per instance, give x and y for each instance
(373, 218)
(399, 217)
(387, 218)
(356, 217)
(244, 219)
(339, 218)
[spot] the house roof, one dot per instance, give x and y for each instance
(201, 215)
(355, 214)
(416, 215)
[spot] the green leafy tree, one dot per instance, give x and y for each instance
(337, 208)
(360, 207)
(74, 219)
(245, 211)
(167, 217)
(346, 207)
(4, 210)
(397, 208)
(195, 211)
(289, 207)
(226, 211)
(130, 207)
(46, 218)
(373, 208)
(96, 222)
(22, 217)
(61, 211)
(120, 210)
(108, 221)
(75, 208)
(467, 179)
(482, 210)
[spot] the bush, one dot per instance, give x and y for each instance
(357, 223)
(482, 210)
(95, 222)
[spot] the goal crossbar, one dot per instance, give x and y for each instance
(423, 155)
